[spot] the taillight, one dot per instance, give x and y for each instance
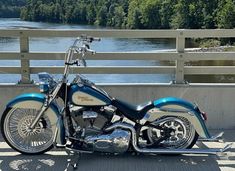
(204, 115)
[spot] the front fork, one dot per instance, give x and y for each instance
(69, 123)
(49, 99)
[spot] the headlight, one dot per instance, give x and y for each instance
(46, 82)
(44, 87)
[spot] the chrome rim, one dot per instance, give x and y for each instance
(17, 132)
(181, 136)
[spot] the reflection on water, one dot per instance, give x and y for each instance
(8, 40)
(211, 63)
(211, 78)
(60, 44)
(9, 44)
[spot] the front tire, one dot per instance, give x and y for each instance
(15, 131)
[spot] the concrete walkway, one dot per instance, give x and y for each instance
(58, 160)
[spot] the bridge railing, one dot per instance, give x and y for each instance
(179, 56)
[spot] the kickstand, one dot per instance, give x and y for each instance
(73, 159)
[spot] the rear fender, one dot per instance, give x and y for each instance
(171, 106)
(36, 101)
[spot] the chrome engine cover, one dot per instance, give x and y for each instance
(116, 142)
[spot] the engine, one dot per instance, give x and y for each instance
(90, 121)
(89, 124)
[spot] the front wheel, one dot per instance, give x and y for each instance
(176, 133)
(15, 130)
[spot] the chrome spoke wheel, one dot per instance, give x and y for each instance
(21, 137)
(179, 131)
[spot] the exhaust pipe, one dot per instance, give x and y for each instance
(215, 138)
(214, 151)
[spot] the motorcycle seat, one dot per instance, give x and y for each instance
(133, 112)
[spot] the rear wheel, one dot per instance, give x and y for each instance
(176, 133)
(15, 129)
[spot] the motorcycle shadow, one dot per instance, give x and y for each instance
(110, 162)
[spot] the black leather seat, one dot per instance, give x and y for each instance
(131, 111)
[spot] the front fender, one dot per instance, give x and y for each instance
(35, 101)
(171, 106)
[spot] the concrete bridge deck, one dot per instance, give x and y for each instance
(57, 160)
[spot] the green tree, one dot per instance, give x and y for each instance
(226, 15)
(134, 15)
(166, 13)
(10, 8)
(187, 14)
(151, 17)
(90, 15)
(119, 17)
(181, 18)
(209, 13)
(102, 16)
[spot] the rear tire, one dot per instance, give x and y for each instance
(182, 133)
(14, 128)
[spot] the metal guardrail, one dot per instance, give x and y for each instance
(179, 56)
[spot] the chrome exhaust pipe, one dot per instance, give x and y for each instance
(214, 151)
(215, 138)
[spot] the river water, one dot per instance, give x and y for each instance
(106, 45)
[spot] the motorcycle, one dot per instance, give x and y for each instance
(82, 117)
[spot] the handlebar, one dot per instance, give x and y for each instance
(85, 44)
(82, 46)
(89, 39)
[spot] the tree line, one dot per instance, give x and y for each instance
(11, 8)
(134, 14)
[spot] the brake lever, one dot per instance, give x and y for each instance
(94, 39)
(90, 51)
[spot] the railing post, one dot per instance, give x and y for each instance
(25, 69)
(180, 45)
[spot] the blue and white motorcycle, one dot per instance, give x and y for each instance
(81, 117)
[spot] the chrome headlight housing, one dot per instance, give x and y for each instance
(46, 82)
(44, 87)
